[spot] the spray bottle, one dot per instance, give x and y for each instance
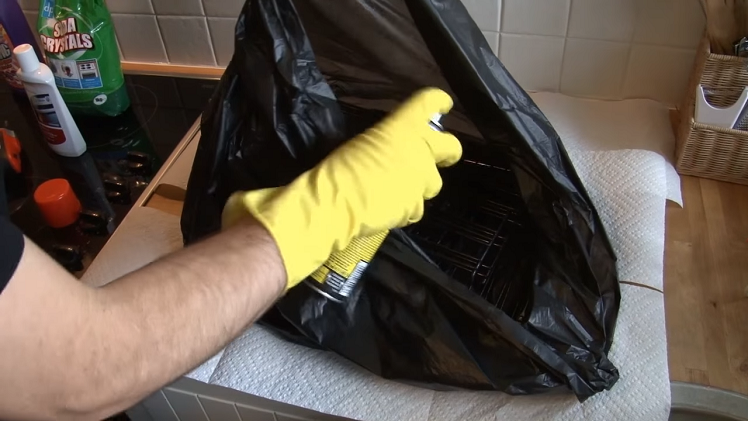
(54, 118)
(339, 275)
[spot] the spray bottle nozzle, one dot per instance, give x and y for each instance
(435, 122)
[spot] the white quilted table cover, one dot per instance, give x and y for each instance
(629, 189)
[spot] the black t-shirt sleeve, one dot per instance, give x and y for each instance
(12, 249)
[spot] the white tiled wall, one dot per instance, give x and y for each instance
(608, 49)
(185, 32)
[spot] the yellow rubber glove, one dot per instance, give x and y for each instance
(372, 183)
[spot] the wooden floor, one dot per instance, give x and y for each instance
(706, 285)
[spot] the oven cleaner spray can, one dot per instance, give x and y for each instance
(77, 37)
(340, 274)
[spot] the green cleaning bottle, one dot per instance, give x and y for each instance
(78, 40)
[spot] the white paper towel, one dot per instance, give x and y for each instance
(634, 218)
(264, 365)
(594, 125)
(643, 392)
(629, 189)
(640, 133)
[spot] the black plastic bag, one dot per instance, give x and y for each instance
(509, 283)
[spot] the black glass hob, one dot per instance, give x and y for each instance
(123, 155)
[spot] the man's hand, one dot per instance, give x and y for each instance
(68, 351)
(372, 183)
(72, 352)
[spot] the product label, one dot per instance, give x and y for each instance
(48, 9)
(65, 37)
(72, 74)
(47, 117)
(343, 270)
(81, 50)
(8, 64)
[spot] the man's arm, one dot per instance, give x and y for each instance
(68, 351)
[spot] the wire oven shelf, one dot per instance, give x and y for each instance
(473, 232)
(474, 229)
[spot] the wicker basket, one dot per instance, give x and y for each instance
(709, 151)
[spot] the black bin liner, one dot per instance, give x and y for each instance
(508, 283)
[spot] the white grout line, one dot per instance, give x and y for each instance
(627, 73)
(563, 51)
(499, 25)
(236, 410)
(500, 13)
(160, 34)
(210, 41)
(202, 408)
(116, 40)
(168, 403)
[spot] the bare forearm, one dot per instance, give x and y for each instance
(185, 307)
(97, 351)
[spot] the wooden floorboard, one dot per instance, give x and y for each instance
(706, 276)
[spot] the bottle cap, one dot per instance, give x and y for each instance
(12, 148)
(58, 203)
(27, 58)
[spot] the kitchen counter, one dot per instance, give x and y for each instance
(706, 281)
(257, 376)
(151, 230)
(124, 153)
(146, 233)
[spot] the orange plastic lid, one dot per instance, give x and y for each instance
(12, 149)
(58, 203)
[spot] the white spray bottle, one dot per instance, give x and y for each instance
(58, 126)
